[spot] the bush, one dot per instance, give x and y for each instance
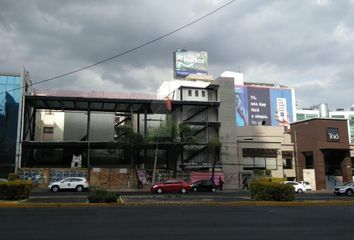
(103, 196)
(272, 191)
(15, 190)
(13, 177)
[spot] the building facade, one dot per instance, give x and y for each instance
(322, 151)
(12, 89)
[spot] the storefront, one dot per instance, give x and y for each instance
(322, 151)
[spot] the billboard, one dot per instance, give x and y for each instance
(263, 106)
(190, 62)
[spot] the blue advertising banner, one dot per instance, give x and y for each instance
(282, 108)
(258, 106)
(263, 106)
(241, 106)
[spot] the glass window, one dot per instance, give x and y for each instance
(337, 116)
(203, 93)
(309, 116)
(300, 116)
(48, 130)
(248, 162)
(189, 93)
(196, 93)
(271, 163)
(287, 163)
(259, 162)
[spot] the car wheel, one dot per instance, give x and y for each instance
(349, 192)
(213, 189)
(183, 190)
(300, 190)
(159, 190)
(55, 188)
(79, 188)
(195, 189)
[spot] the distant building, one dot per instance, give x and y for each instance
(13, 86)
(322, 111)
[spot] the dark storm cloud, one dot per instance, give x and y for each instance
(306, 44)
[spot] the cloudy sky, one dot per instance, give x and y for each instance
(304, 44)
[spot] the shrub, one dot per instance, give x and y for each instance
(272, 191)
(15, 190)
(13, 177)
(103, 196)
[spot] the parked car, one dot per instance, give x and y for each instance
(204, 185)
(171, 185)
(298, 187)
(78, 183)
(306, 184)
(347, 189)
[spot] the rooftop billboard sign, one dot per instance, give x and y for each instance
(189, 62)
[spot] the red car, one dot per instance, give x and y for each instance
(172, 185)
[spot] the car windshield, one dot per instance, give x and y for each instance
(348, 184)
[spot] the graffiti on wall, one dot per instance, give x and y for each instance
(37, 176)
(59, 174)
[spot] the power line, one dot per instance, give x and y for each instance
(127, 51)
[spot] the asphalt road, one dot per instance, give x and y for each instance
(220, 196)
(178, 222)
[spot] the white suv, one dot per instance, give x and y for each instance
(347, 189)
(298, 187)
(77, 183)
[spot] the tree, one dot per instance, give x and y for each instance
(131, 142)
(215, 144)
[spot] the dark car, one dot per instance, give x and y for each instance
(203, 185)
(172, 185)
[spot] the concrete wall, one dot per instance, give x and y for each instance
(227, 132)
(101, 127)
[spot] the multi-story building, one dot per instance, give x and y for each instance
(13, 87)
(322, 111)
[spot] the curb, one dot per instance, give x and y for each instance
(22, 204)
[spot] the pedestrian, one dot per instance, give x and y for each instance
(245, 183)
(221, 183)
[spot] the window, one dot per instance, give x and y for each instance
(287, 163)
(203, 93)
(48, 130)
(337, 116)
(309, 116)
(259, 162)
(189, 93)
(250, 163)
(196, 93)
(309, 161)
(300, 116)
(271, 163)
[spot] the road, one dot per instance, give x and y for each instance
(178, 222)
(221, 196)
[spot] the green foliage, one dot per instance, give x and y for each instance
(127, 138)
(15, 190)
(166, 132)
(271, 191)
(13, 177)
(215, 143)
(185, 132)
(103, 196)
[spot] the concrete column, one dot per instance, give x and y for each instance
(319, 165)
(346, 167)
(300, 164)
